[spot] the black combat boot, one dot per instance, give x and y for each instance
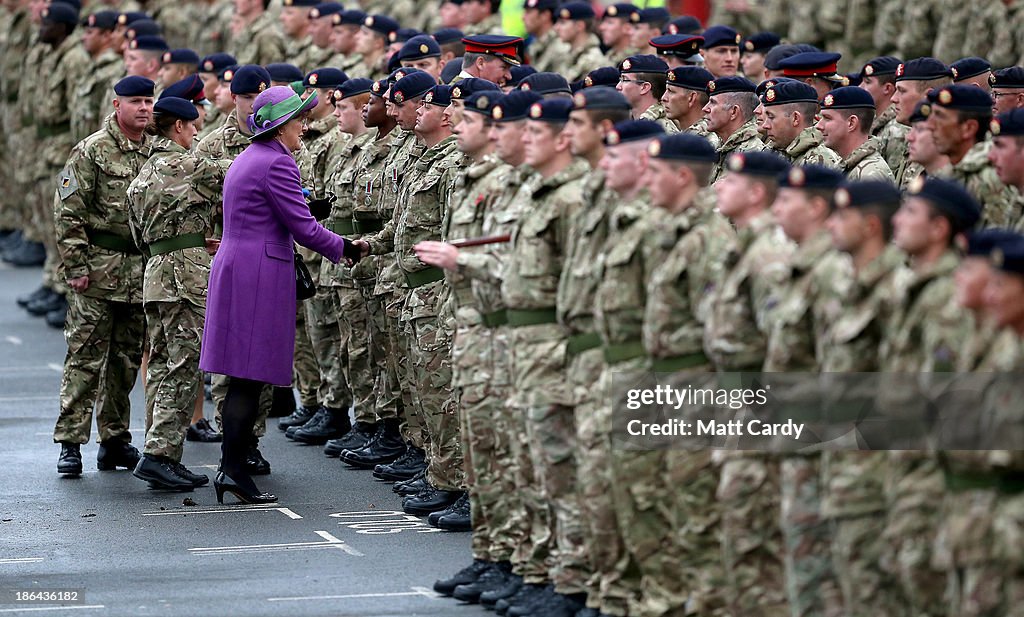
(355, 439)
(458, 517)
(512, 585)
(26, 299)
(430, 500)
(335, 424)
(436, 516)
(70, 460)
(404, 467)
(50, 303)
(319, 417)
(58, 317)
(159, 472)
(28, 254)
(387, 446)
(298, 417)
(465, 576)
(413, 486)
(116, 453)
(493, 579)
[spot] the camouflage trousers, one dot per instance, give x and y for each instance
(26, 177)
(54, 153)
(394, 386)
(430, 340)
(173, 379)
(324, 330)
(480, 384)
(979, 545)
(12, 207)
(602, 542)
(805, 534)
(105, 342)
(353, 325)
(914, 485)
(540, 386)
(748, 495)
(305, 370)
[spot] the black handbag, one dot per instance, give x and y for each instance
(304, 286)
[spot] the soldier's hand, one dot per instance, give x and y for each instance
(79, 284)
(440, 254)
(212, 244)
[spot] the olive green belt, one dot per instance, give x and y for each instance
(495, 319)
(342, 228)
(622, 352)
(52, 129)
(518, 318)
(424, 277)
(112, 242)
(578, 343)
(367, 226)
(1008, 483)
(169, 245)
(678, 363)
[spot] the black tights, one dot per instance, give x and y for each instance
(241, 406)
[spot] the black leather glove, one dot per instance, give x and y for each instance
(321, 208)
(351, 252)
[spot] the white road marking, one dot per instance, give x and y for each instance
(330, 542)
(19, 399)
(56, 367)
(52, 608)
(243, 508)
(13, 340)
(416, 591)
(21, 560)
(28, 369)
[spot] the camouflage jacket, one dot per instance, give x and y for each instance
(892, 137)
(165, 204)
(91, 194)
(818, 285)
(581, 272)
(808, 149)
(321, 135)
(367, 191)
(683, 281)
(535, 261)
(866, 163)
(489, 25)
(260, 42)
(756, 266)
(343, 164)
(745, 139)
(210, 26)
(12, 53)
(175, 21)
(981, 180)
(62, 67)
(547, 51)
(579, 62)
(701, 128)
(89, 105)
(656, 113)
(224, 144)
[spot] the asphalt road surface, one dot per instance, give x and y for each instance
(336, 544)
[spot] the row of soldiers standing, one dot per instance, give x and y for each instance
(481, 363)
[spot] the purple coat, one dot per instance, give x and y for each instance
(250, 306)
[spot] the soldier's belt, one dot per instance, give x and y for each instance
(342, 228)
(518, 318)
(678, 363)
(622, 352)
(169, 245)
(112, 242)
(367, 226)
(495, 319)
(424, 277)
(1004, 482)
(12, 96)
(52, 129)
(578, 343)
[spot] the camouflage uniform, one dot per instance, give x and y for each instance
(888, 26)
(853, 499)
(260, 42)
(18, 36)
(892, 137)
(677, 306)
(210, 28)
(985, 19)
(951, 31)
(89, 105)
(976, 173)
(918, 26)
(809, 149)
(1008, 43)
(171, 222)
(735, 338)
(490, 25)
(546, 52)
(858, 32)
(175, 26)
(925, 336)
(105, 323)
(656, 113)
(540, 391)
(745, 139)
(811, 301)
(579, 62)
(866, 163)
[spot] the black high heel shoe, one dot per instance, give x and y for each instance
(223, 483)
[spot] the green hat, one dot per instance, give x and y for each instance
(275, 106)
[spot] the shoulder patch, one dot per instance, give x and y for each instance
(67, 183)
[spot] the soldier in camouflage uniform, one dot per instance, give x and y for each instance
(846, 117)
(739, 319)
(685, 96)
(88, 106)
(878, 77)
(295, 26)
(344, 27)
(321, 28)
(18, 30)
(644, 87)
(258, 39)
(915, 29)
(925, 335)
(790, 110)
(954, 108)
(853, 500)
(810, 302)
(677, 291)
(616, 30)
(575, 27)
(546, 49)
(730, 116)
(103, 267)
(913, 80)
(171, 222)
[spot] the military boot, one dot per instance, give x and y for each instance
(159, 472)
(26, 299)
(116, 453)
(355, 439)
(465, 576)
(58, 317)
(70, 460)
(300, 416)
(533, 603)
(436, 516)
(255, 464)
(28, 254)
(386, 447)
(52, 302)
(313, 422)
(335, 424)
(404, 467)
(415, 485)
(513, 584)
(430, 500)
(563, 605)
(458, 517)
(197, 479)
(495, 578)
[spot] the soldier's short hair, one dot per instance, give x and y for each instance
(657, 81)
(596, 116)
(807, 110)
(865, 115)
(746, 101)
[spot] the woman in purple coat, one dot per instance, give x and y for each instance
(249, 333)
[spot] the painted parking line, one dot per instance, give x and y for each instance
(37, 609)
(329, 542)
(21, 560)
(416, 591)
(231, 509)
